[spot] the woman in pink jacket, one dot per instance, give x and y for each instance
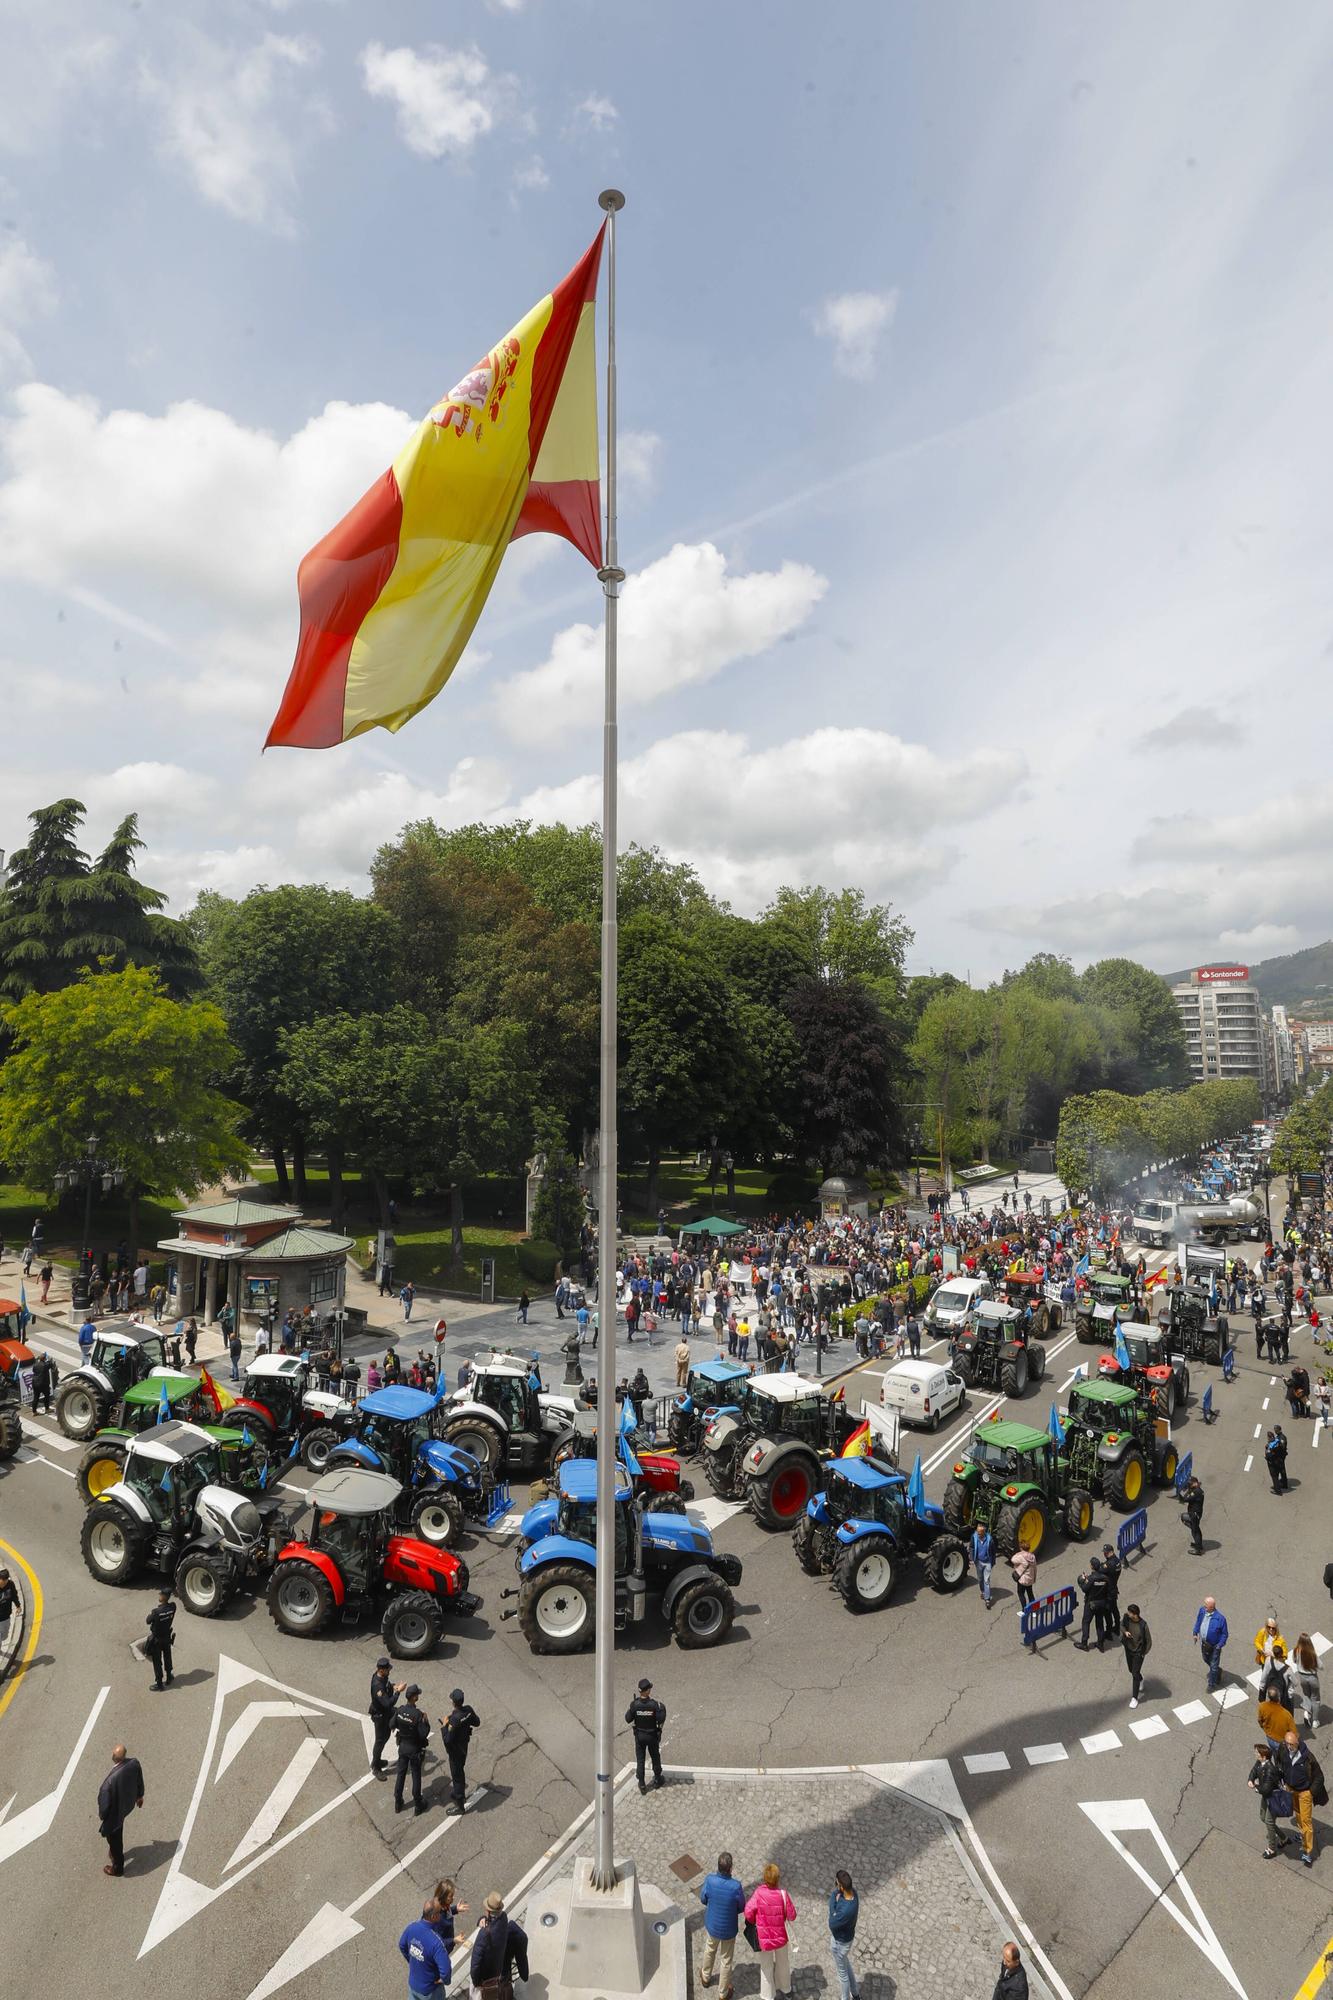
(771, 1909)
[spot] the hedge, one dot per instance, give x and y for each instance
(537, 1260)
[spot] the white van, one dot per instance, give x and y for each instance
(922, 1392)
(954, 1301)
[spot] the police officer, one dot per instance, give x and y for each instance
(158, 1648)
(1111, 1567)
(646, 1718)
(411, 1730)
(456, 1734)
(383, 1701)
(45, 1375)
(1093, 1585)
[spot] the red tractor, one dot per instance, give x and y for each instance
(277, 1402)
(656, 1474)
(1162, 1377)
(353, 1563)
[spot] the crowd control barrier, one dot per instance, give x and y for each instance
(1053, 1613)
(1184, 1471)
(1206, 1410)
(1132, 1534)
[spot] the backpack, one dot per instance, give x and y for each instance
(1318, 1788)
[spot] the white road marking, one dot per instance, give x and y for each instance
(37, 1819)
(1257, 1429)
(27, 1456)
(1249, 1462)
(279, 1801)
(50, 1435)
(709, 1512)
(1046, 1753)
(246, 1724)
(1193, 1711)
(1113, 1817)
(1232, 1697)
(1314, 1440)
(988, 1760)
(1106, 1739)
(1151, 1725)
(1263, 1406)
(1320, 1643)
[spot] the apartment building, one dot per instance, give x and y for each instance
(1227, 1029)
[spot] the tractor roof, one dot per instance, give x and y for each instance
(503, 1364)
(995, 1309)
(172, 1444)
(785, 1387)
(150, 1389)
(1012, 1437)
(126, 1333)
(352, 1491)
(1114, 1280)
(720, 1371)
(403, 1404)
(1118, 1394)
(279, 1367)
(1024, 1278)
(10, 1306)
(578, 1480)
(868, 1473)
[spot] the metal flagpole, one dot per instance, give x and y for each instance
(611, 576)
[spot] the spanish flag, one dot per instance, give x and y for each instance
(221, 1399)
(390, 596)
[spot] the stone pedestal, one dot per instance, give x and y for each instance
(590, 1943)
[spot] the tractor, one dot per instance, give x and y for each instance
(354, 1563)
(712, 1385)
(1013, 1480)
(122, 1354)
(1158, 1374)
(995, 1349)
(277, 1402)
(666, 1554)
(171, 1512)
(14, 1357)
(1194, 1327)
(439, 1484)
(864, 1526)
(1111, 1444)
(771, 1452)
(656, 1474)
(505, 1419)
(1024, 1289)
(1101, 1307)
(160, 1399)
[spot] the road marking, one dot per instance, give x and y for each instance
(275, 1807)
(37, 1819)
(1106, 1740)
(1263, 1406)
(1257, 1429)
(1314, 1437)
(1046, 1753)
(50, 1435)
(1151, 1725)
(988, 1760)
(27, 1456)
(1231, 1697)
(1112, 1817)
(1249, 1462)
(1193, 1711)
(35, 1610)
(1314, 1982)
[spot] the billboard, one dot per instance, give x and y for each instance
(1311, 1186)
(1212, 975)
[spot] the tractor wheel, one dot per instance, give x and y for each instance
(555, 1608)
(1165, 1460)
(411, 1625)
(665, 1503)
(1055, 1319)
(1168, 1395)
(1123, 1484)
(685, 1488)
(300, 1600)
(114, 1543)
(1212, 1347)
(1041, 1319)
(563, 1453)
(317, 1446)
(261, 1428)
(720, 1472)
(11, 1430)
(100, 1467)
(778, 1499)
(1014, 1373)
(678, 1431)
(1184, 1387)
(482, 1440)
(1021, 1524)
(965, 1369)
(438, 1519)
(957, 1507)
(1078, 1513)
(203, 1583)
(702, 1614)
(811, 1543)
(945, 1563)
(1036, 1360)
(1085, 1331)
(864, 1574)
(81, 1409)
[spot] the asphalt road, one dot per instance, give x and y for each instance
(1128, 1842)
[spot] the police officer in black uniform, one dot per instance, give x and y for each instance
(411, 1728)
(45, 1376)
(456, 1734)
(646, 1718)
(383, 1701)
(160, 1621)
(1093, 1585)
(1111, 1567)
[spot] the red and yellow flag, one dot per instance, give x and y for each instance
(221, 1399)
(389, 598)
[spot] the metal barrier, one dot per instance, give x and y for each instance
(1183, 1472)
(1206, 1410)
(1229, 1365)
(1132, 1534)
(502, 1503)
(1053, 1613)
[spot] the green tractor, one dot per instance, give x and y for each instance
(157, 1400)
(1107, 1301)
(1111, 1444)
(1194, 1326)
(995, 1349)
(1015, 1481)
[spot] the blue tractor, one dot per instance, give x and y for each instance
(869, 1521)
(440, 1484)
(713, 1385)
(665, 1554)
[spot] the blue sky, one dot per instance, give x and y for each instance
(974, 409)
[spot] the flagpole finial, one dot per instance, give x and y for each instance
(611, 199)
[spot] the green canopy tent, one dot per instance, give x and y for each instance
(713, 1225)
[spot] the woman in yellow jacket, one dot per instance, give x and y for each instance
(1265, 1639)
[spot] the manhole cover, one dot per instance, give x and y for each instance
(686, 1867)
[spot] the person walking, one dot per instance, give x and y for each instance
(1023, 1563)
(411, 1730)
(1111, 1567)
(383, 1702)
(843, 1908)
(44, 1277)
(647, 1718)
(120, 1793)
(723, 1899)
(1266, 1779)
(770, 1909)
(234, 1350)
(913, 1330)
(524, 1304)
(682, 1360)
(45, 1376)
(456, 1734)
(1306, 1662)
(1303, 1779)
(1193, 1514)
(191, 1339)
(1012, 1983)
(1136, 1639)
(407, 1295)
(1266, 1640)
(429, 1966)
(160, 1622)
(87, 1335)
(982, 1549)
(1275, 1458)
(1210, 1635)
(9, 1601)
(1275, 1718)
(499, 1949)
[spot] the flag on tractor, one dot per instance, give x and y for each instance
(163, 1405)
(916, 1489)
(390, 597)
(1055, 1427)
(1123, 1358)
(221, 1399)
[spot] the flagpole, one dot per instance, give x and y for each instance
(611, 577)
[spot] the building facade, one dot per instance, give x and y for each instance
(1227, 1030)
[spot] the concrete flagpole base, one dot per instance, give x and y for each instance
(590, 1942)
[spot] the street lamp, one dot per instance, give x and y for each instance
(89, 1170)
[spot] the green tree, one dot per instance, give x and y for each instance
(113, 1057)
(844, 937)
(1048, 974)
(1156, 1056)
(559, 866)
(844, 1110)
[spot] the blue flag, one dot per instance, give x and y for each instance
(246, 1438)
(1084, 1264)
(163, 1405)
(263, 1475)
(24, 1314)
(626, 1422)
(916, 1488)
(1124, 1359)
(1056, 1428)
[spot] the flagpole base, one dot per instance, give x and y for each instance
(586, 1942)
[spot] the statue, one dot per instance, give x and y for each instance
(570, 1349)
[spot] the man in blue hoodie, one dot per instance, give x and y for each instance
(1210, 1634)
(428, 1965)
(723, 1899)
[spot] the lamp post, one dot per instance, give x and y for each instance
(89, 1170)
(1266, 1176)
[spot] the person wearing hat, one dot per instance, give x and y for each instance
(160, 1621)
(411, 1728)
(383, 1701)
(646, 1718)
(456, 1733)
(499, 1950)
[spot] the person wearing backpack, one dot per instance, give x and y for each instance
(1274, 1798)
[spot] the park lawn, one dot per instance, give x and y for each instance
(63, 1225)
(686, 1191)
(422, 1232)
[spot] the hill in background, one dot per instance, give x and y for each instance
(1300, 981)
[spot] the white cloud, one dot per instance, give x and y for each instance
(637, 454)
(596, 113)
(683, 620)
(149, 786)
(855, 322)
(446, 99)
(236, 119)
(27, 291)
(530, 176)
(53, 55)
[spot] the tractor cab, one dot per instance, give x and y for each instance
(126, 1353)
(349, 1523)
(394, 1423)
(1104, 1407)
(714, 1385)
(789, 1405)
(996, 1350)
(276, 1384)
(1104, 1304)
(11, 1324)
(168, 1468)
(865, 1489)
(504, 1417)
(511, 1396)
(1025, 1291)
(576, 1518)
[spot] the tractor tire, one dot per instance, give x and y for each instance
(411, 1625)
(1165, 1461)
(812, 1545)
(11, 1430)
(482, 1440)
(702, 1615)
(317, 1447)
(1084, 1330)
(114, 1543)
(865, 1573)
(262, 1429)
(555, 1608)
(81, 1409)
(1212, 1347)
(203, 1583)
(300, 1599)
(1078, 1513)
(1014, 1373)
(1055, 1319)
(665, 1503)
(945, 1563)
(1124, 1484)
(100, 1467)
(720, 1472)
(437, 1518)
(778, 1500)
(1036, 1361)
(1021, 1524)
(965, 1370)
(1184, 1388)
(563, 1453)
(686, 1489)
(1041, 1320)
(678, 1431)
(957, 1508)
(1168, 1395)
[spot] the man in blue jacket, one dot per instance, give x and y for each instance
(1210, 1630)
(428, 1965)
(723, 1899)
